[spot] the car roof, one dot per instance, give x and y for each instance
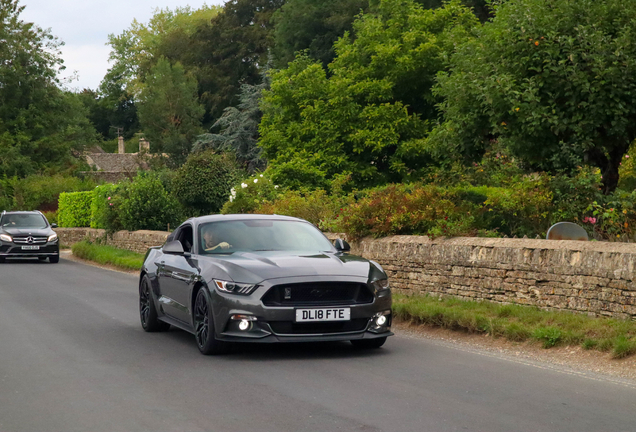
(239, 217)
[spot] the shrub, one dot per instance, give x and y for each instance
(42, 192)
(75, 209)
(50, 216)
(102, 207)
(203, 183)
(145, 204)
(251, 194)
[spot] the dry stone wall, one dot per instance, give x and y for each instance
(588, 277)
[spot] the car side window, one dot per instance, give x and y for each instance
(186, 238)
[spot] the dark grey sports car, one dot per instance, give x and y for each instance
(258, 278)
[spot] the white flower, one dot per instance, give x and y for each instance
(232, 192)
(243, 185)
(261, 175)
(231, 198)
(276, 187)
(255, 180)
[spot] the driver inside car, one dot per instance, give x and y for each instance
(209, 240)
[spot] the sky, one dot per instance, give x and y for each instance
(84, 26)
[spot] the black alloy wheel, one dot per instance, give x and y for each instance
(368, 343)
(204, 326)
(147, 311)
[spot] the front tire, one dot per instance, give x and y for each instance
(147, 311)
(54, 259)
(204, 326)
(1, 260)
(368, 343)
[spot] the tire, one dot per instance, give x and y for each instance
(1, 260)
(204, 326)
(41, 258)
(54, 259)
(147, 311)
(368, 343)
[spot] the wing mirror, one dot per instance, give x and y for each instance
(175, 248)
(341, 245)
(53, 225)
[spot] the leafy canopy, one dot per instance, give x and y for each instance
(368, 119)
(553, 80)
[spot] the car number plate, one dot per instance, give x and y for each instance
(323, 314)
(30, 247)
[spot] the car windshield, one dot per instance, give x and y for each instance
(261, 235)
(23, 220)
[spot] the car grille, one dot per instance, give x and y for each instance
(34, 240)
(288, 327)
(318, 293)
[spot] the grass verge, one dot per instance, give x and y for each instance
(103, 254)
(520, 323)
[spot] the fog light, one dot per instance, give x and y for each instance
(244, 325)
(381, 320)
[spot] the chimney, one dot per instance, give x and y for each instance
(144, 145)
(120, 145)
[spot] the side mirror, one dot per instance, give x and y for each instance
(341, 245)
(53, 225)
(174, 248)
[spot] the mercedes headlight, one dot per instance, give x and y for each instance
(53, 237)
(234, 287)
(5, 237)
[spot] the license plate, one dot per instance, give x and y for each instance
(323, 314)
(30, 247)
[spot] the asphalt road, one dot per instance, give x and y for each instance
(73, 357)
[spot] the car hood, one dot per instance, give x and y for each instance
(27, 231)
(254, 267)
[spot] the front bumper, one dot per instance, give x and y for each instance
(273, 324)
(11, 250)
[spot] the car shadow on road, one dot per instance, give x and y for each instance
(290, 350)
(33, 260)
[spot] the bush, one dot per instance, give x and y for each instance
(104, 254)
(39, 192)
(50, 216)
(102, 207)
(203, 183)
(75, 209)
(144, 203)
(251, 194)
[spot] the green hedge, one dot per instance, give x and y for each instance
(75, 209)
(102, 205)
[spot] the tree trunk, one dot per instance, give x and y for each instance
(609, 169)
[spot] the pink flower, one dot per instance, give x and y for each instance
(110, 204)
(626, 156)
(592, 221)
(108, 198)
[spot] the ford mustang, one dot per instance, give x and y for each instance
(260, 279)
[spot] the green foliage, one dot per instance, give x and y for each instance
(314, 26)
(144, 203)
(108, 255)
(239, 127)
(251, 194)
(519, 323)
(170, 112)
(50, 216)
(40, 192)
(75, 209)
(549, 79)
(203, 183)
(369, 117)
(102, 212)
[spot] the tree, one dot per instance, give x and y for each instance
(39, 123)
(368, 119)
(314, 26)
(230, 52)
(170, 112)
(239, 127)
(553, 80)
(203, 183)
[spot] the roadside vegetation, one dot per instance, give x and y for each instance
(108, 255)
(518, 323)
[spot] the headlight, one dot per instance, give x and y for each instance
(53, 237)
(234, 287)
(6, 238)
(381, 284)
